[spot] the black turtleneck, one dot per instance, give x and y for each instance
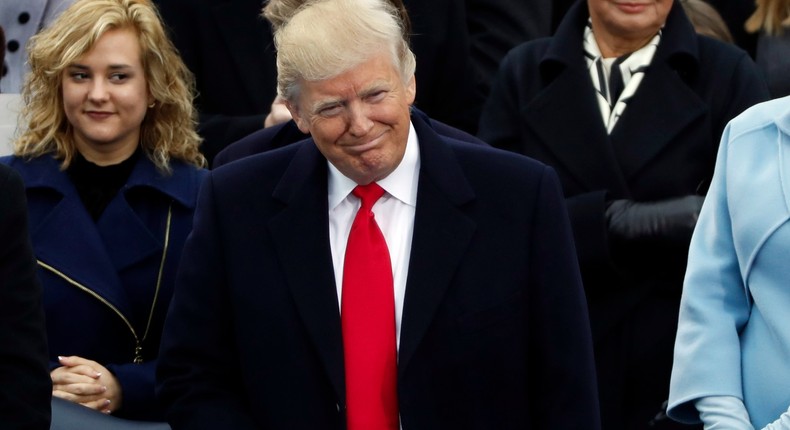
(97, 185)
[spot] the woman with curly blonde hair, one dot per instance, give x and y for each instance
(110, 160)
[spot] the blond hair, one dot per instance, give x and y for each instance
(771, 16)
(325, 38)
(168, 129)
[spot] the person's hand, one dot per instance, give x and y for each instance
(86, 382)
(279, 113)
(669, 220)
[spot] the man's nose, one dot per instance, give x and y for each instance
(359, 120)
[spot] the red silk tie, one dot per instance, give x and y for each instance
(368, 320)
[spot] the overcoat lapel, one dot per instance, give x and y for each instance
(301, 235)
(119, 225)
(652, 121)
(245, 41)
(592, 164)
(442, 233)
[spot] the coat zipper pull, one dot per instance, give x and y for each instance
(138, 354)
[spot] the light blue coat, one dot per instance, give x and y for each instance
(734, 330)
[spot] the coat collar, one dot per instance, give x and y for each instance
(92, 254)
(441, 235)
(679, 44)
(45, 172)
(663, 106)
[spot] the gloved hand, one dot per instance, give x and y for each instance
(671, 220)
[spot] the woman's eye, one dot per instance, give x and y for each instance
(118, 76)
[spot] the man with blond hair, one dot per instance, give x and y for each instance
(377, 275)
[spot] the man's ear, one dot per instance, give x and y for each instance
(301, 122)
(411, 90)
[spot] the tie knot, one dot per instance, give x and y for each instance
(368, 194)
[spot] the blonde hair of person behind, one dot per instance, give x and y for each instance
(706, 20)
(771, 16)
(325, 38)
(168, 129)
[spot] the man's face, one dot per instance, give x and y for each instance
(359, 119)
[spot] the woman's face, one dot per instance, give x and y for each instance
(105, 97)
(628, 22)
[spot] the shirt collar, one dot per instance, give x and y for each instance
(401, 183)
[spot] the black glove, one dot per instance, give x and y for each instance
(670, 221)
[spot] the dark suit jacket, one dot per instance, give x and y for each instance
(286, 133)
(229, 48)
(26, 388)
(543, 105)
(493, 336)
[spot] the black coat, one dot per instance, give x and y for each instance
(543, 105)
(494, 332)
(26, 387)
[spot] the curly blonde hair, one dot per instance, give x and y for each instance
(168, 129)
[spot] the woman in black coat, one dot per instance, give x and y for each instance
(634, 169)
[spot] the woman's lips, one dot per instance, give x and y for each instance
(632, 7)
(98, 115)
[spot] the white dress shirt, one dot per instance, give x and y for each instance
(394, 213)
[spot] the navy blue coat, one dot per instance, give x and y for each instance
(494, 332)
(102, 280)
(543, 105)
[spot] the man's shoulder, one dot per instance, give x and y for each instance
(258, 169)
(260, 141)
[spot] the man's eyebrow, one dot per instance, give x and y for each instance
(374, 88)
(322, 104)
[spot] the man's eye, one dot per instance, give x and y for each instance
(377, 96)
(330, 110)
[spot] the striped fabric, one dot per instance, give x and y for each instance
(614, 89)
